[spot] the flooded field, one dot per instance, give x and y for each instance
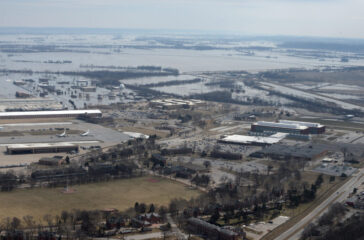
(198, 61)
(69, 52)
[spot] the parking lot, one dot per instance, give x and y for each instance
(335, 170)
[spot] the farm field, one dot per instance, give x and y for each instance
(119, 194)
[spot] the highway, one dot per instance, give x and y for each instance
(340, 195)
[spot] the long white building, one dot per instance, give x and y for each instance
(51, 114)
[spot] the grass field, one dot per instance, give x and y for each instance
(120, 194)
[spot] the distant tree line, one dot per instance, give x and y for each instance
(112, 78)
(171, 83)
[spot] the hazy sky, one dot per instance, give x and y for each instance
(333, 18)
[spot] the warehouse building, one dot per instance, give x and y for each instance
(41, 148)
(51, 161)
(51, 114)
(263, 126)
(287, 126)
(253, 140)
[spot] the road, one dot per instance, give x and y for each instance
(340, 195)
(175, 230)
(144, 236)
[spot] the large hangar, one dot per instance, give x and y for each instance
(51, 114)
(40, 148)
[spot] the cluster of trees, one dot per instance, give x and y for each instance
(171, 83)
(113, 77)
(117, 162)
(201, 180)
(264, 196)
(77, 175)
(144, 68)
(176, 151)
(216, 96)
(185, 118)
(330, 226)
(9, 181)
(226, 155)
(141, 208)
(304, 193)
(75, 224)
(148, 92)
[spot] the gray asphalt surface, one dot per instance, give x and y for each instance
(97, 133)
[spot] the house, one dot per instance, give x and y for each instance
(151, 217)
(136, 223)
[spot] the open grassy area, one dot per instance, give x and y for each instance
(120, 194)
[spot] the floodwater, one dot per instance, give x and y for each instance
(107, 50)
(57, 53)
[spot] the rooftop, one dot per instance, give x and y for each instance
(307, 124)
(175, 101)
(243, 139)
(136, 135)
(32, 113)
(39, 145)
(281, 125)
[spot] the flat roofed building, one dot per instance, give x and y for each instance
(51, 114)
(313, 128)
(175, 103)
(88, 89)
(50, 161)
(254, 140)
(40, 148)
(262, 126)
